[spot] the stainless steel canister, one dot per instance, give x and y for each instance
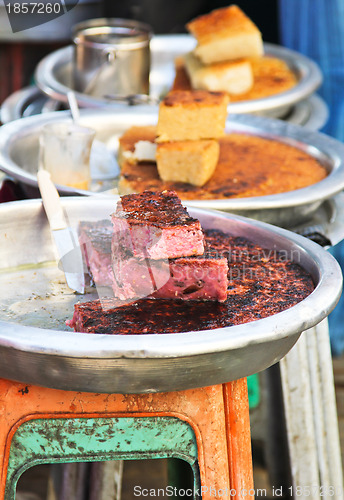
(112, 57)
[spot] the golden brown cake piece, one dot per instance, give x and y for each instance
(225, 34)
(193, 162)
(234, 77)
(192, 115)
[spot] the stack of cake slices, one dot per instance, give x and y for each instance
(189, 126)
(227, 41)
(153, 248)
(158, 251)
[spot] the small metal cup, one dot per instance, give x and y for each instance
(112, 57)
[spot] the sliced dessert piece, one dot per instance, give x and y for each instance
(225, 34)
(190, 278)
(155, 225)
(193, 162)
(128, 144)
(187, 278)
(95, 242)
(137, 151)
(196, 278)
(192, 115)
(234, 77)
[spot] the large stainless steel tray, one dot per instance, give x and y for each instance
(312, 112)
(53, 76)
(34, 304)
(19, 158)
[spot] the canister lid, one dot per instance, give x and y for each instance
(114, 33)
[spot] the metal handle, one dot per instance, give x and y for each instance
(133, 99)
(110, 55)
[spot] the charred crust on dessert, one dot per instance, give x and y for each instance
(161, 209)
(261, 294)
(186, 97)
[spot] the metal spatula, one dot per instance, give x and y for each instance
(66, 241)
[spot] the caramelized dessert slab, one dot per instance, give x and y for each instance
(261, 283)
(248, 166)
(110, 262)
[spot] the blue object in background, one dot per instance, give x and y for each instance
(315, 28)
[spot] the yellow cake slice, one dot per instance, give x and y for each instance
(192, 115)
(193, 162)
(234, 77)
(225, 34)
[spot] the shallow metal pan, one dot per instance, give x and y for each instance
(19, 158)
(53, 76)
(36, 348)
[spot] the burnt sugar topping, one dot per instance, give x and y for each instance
(227, 21)
(156, 225)
(194, 98)
(161, 209)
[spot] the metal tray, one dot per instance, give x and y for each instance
(28, 101)
(312, 113)
(53, 76)
(19, 158)
(34, 304)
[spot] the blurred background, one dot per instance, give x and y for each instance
(21, 52)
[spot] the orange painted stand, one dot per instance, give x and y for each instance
(218, 415)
